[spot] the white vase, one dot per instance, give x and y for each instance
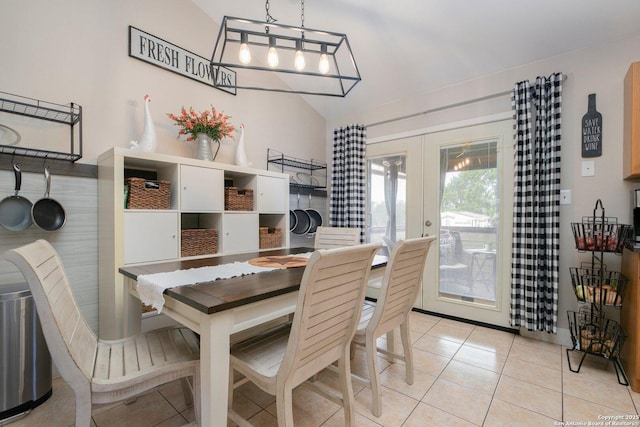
(204, 147)
(241, 155)
(148, 141)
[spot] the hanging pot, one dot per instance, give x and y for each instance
(293, 221)
(303, 220)
(47, 213)
(15, 211)
(316, 218)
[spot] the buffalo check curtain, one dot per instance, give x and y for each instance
(348, 178)
(536, 209)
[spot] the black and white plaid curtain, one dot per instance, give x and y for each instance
(536, 205)
(348, 178)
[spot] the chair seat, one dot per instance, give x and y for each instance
(260, 357)
(367, 311)
(141, 358)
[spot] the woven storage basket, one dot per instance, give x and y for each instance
(238, 200)
(270, 237)
(145, 194)
(198, 241)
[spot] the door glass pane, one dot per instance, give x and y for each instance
(387, 200)
(469, 222)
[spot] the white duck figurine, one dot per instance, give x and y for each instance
(241, 155)
(148, 141)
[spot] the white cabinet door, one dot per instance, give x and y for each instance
(240, 232)
(201, 189)
(150, 236)
(272, 194)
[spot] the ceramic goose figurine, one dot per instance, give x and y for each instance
(148, 141)
(241, 156)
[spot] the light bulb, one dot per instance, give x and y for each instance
(244, 56)
(298, 62)
(323, 64)
(272, 54)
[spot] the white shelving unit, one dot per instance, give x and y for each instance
(134, 236)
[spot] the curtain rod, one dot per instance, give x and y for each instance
(446, 107)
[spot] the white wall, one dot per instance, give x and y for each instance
(77, 51)
(599, 70)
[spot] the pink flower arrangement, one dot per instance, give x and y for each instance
(209, 122)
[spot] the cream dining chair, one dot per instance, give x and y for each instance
(398, 292)
(101, 371)
(336, 237)
(327, 311)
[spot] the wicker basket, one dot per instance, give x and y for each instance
(145, 194)
(270, 237)
(238, 200)
(198, 241)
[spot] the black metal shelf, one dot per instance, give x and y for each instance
(591, 331)
(70, 115)
(282, 162)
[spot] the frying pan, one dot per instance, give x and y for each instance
(293, 221)
(47, 213)
(15, 211)
(316, 218)
(303, 220)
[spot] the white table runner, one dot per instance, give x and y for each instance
(150, 287)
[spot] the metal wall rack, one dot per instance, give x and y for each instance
(70, 115)
(317, 170)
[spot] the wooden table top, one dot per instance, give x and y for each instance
(225, 294)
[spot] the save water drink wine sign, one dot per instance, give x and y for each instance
(592, 130)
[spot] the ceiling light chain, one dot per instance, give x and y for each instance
(299, 62)
(268, 18)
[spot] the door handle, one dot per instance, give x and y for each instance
(427, 223)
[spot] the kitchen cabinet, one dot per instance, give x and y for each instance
(272, 194)
(201, 189)
(150, 236)
(240, 232)
(629, 319)
(631, 133)
(131, 236)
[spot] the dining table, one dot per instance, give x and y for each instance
(223, 309)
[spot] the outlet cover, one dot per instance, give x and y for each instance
(565, 197)
(588, 168)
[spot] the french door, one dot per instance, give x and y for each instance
(456, 184)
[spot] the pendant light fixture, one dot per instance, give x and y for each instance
(282, 58)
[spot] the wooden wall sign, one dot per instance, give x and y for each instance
(592, 130)
(156, 51)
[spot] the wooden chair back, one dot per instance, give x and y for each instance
(400, 284)
(328, 309)
(70, 340)
(336, 237)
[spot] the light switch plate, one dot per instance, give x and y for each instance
(588, 167)
(565, 197)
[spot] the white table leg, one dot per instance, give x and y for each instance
(214, 367)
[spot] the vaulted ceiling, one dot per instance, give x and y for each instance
(408, 47)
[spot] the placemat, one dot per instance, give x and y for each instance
(279, 261)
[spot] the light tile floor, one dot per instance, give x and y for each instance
(465, 376)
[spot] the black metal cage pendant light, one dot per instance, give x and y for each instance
(274, 57)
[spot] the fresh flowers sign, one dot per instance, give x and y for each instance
(210, 122)
(156, 51)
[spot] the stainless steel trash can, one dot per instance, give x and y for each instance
(25, 363)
